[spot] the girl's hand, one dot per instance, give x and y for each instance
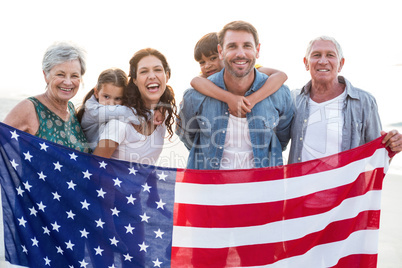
(159, 117)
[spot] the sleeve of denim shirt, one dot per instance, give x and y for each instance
(372, 124)
(284, 104)
(186, 123)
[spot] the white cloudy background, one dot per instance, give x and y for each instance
(111, 31)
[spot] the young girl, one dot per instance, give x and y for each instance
(105, 102)
(147, 89)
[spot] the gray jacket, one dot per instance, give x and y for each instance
(361, 119)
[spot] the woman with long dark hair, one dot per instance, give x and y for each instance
(147, 90)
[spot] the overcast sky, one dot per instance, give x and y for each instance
(111, 31)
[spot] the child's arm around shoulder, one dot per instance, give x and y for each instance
(274, 82)
(236, 103)
(105, 113)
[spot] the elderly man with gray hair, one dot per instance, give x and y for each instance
(331, 114)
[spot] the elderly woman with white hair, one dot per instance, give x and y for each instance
(331, 114)
(51, 115)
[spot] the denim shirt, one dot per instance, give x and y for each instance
(203, 121)
(360, 113)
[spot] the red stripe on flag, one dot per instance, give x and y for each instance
(277, 173)
(362, 260)
(263, 254)
(263, 213)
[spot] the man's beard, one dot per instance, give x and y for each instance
(242, 73)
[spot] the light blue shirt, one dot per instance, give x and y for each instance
(203, 121)
(362, 123)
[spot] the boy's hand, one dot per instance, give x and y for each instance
(251, 102)
(159, 117)
(238, 105)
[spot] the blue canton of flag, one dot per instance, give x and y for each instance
(64, 208)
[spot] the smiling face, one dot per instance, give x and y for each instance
(239, 52)
(64, 80)
(323, 62)
(151, 80)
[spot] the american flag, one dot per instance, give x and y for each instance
(63, 208)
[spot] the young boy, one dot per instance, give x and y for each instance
(206, 54)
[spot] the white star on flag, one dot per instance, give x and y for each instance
(59, 250)
(160, 204)
(158, 233)
(46, 230)
(132, 171)
(27, 186)
(144, 217)
(83, 263)
(56, 196)
(157, 263)
(162, 176)
(115, 212)
(71, 185)
(99, 223)
(85, 204)
(41, 206)
(69, 245)
(130, 199)
(84, 233)
(42, 176)
(55, 226)
(20, 191)
(43, 147)
(146, 187)
(57, 166)
(98, 251)
(47, 261)
(117, 182)
(87, 175)
(33, 211)
(129, 229)
(73, 156)
(35, 242)
(127, 257)
(14, 164)
(70, 215)
(14, 135)
(28, 156)
(143, 247)
(22, 221)
(101, 193)
(102, 164)
(113, 241)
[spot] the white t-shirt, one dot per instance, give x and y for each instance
(134, 146)
(325, 120)
(238, 150)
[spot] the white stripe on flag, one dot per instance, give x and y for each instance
(261, 192)
(193, 237)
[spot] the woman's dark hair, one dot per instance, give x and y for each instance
(132, 95)
(114, 76)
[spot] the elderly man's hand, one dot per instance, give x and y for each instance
(393, 139)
